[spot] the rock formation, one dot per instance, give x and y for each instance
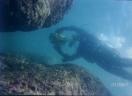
(20, 76)
(27, 15)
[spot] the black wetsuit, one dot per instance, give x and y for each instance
(95, 51)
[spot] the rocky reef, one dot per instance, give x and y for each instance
(27, 15)
(21, 76)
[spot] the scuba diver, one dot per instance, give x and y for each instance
(91, 49)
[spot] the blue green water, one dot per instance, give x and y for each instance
(110, 20)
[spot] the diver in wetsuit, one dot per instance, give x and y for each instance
(92, 50)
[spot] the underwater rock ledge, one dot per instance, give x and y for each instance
(28, 15)
(20, 76)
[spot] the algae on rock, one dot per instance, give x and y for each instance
(28, 15)
(20, 76)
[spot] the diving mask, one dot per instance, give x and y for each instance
(61, 38)
(57, 38)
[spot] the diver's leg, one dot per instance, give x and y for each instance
(116, 62)
(123, 63)
(121, 72)
(126, 63)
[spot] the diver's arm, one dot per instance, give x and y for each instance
(70, 58)
(79, 31)
(58, 49)
(65, 56)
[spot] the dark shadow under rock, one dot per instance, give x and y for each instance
(28, 15)
(20, 76)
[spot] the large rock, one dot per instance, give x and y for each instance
(27, 15)
(20, 76)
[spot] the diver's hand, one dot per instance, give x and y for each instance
(65, 59)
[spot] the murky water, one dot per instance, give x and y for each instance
(109, 20)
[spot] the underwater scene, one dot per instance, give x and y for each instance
(66, 47)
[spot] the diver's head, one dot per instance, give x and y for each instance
(66, 40)
(57, 39)
(61, 38)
